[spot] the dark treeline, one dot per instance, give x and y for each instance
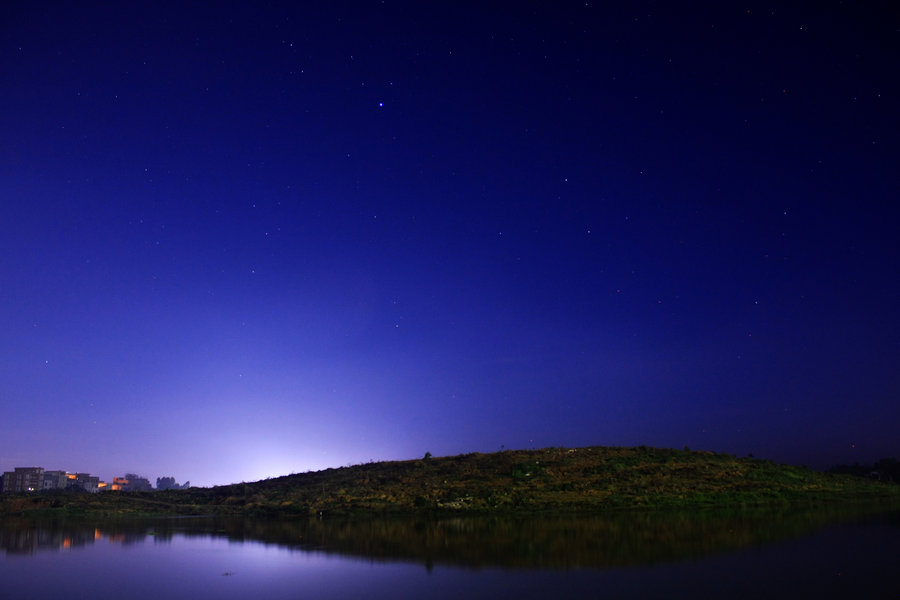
(886, 469)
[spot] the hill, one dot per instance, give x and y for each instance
(546, 480)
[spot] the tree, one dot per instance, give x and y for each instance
(165, 483)
(168, 483)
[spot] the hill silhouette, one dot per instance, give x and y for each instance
(546, 480)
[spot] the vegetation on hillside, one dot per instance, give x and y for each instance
(546, 480)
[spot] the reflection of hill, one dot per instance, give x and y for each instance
(549, 542)
(619, 539)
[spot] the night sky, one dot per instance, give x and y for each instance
(241, 240)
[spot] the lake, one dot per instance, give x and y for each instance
(704, 554)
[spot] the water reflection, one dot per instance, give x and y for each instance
(560, 542)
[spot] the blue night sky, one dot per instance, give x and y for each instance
(241, 240)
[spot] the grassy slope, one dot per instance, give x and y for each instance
(551, 479)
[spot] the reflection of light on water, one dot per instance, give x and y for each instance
(395, 559)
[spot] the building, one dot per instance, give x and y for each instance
(55, 480)
(138, 483)
(85, 481)
(131, 483)
(36, 479)
(24, 479)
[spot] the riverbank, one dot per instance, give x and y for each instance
(512, 481)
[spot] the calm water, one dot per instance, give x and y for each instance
(635, 555)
